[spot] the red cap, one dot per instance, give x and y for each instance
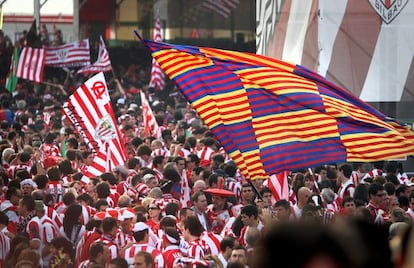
(49, 162)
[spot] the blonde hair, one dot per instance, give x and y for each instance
(147, 201)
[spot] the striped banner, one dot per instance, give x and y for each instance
(150, 124)
(279, 186)
(366, 47)
(157, 75)
(31, 64)
(222, 7)
(102, 64)
(272, 116)
(69, 55)
(90, 111)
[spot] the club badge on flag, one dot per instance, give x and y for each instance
(90, 111)
(69, 55)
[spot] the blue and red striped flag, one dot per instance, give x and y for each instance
(272, 116)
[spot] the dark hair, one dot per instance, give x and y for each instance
(108, 224)
(120, 262)
(282, 203)
(71, 220)
(41, 180)
(374, 188)
(103, 190)
(250, 210)
(193, 225)
(140, 235)
(96, 248)
(172, 208)
(389, 188)
(226, 242)
(346, 169)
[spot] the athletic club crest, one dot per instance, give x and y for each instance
(105, 130)
(388, 10)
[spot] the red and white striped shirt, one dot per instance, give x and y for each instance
(130, 252)
(42, 229)
(197, 249)
(170, 254)
(4, 247)
(57, 189)
(109, 241)
(122, 239)
(213, 241)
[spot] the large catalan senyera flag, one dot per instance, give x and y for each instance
(151, 127)
(102, 64)
(157, 75)
(90, 110)
(272, 116)
(31, 64)
(69, 55)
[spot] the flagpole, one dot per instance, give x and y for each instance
(255, 190)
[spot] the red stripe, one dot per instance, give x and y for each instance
(275, 46)
(351, 57)
(310, 57)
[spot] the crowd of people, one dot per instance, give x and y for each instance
(136, 215)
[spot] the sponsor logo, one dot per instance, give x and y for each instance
(388, 10)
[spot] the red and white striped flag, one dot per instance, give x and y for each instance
(157, 75)
(222, 7)
(150, 124)
(31, 64)
(90, 111)
(69, 55)
(366, 56)
(279, 186)
(102, 64)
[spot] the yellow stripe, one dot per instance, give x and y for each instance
(252, 59)
(276, 138)
(372, 156)
(295, 117)
(352, 111)
(173, 61)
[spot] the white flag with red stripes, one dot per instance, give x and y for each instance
(31, 64)
(279, 186)
(157, 75)
(69, 55)
(222, 7)
(102, 64)
(366, 47)
(151, 127)
(90, 111)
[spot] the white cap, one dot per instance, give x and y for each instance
(28, 181)
(140, 226)
(147, 177)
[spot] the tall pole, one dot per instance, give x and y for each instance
(36, 14)
(76, 7)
